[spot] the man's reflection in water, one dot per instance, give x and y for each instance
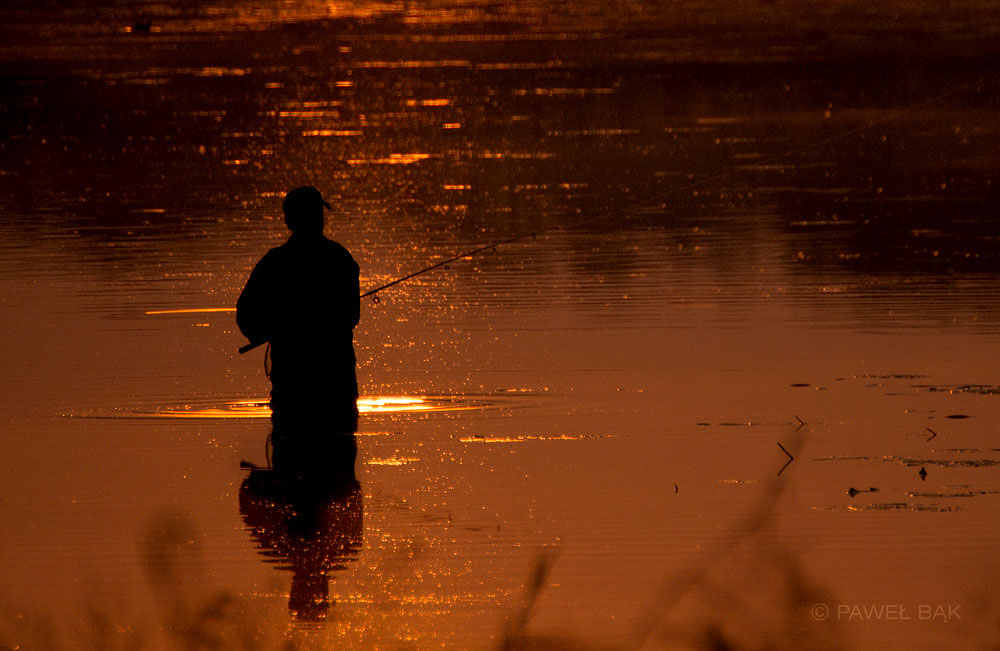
(309, 522)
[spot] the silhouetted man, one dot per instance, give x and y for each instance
(303, 298)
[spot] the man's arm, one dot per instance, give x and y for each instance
(253, 308)
(354, 312)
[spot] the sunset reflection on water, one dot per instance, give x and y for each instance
(761, 224)
(366, 405)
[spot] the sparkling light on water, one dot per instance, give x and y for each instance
(366, 405)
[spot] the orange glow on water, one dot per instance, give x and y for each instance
(332, 133)
(428, 102)
(520, 438)
(392, 159)
(192, 310)
(392, 461)
(260, 408)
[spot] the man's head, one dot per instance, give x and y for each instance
(303, 208)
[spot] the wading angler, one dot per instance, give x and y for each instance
(303, 299)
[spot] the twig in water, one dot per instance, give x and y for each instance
(933, 433)
(672, 590)
(790, 457)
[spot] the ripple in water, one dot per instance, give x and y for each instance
(259, 408)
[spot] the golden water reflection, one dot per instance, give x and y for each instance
(313, 533)
(521, 438)
(192, 310)
(260, 408)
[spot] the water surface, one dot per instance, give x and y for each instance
(762, 224)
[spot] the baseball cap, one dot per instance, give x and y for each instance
(303, 198)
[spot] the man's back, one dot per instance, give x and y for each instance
(304, 290)
(303, 298)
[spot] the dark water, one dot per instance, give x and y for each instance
(763, 223)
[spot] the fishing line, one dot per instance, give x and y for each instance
(467, 254)
(659, 197)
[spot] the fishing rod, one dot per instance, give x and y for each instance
(658, 197)
(468, 254)
(493, 245)
(488, 247)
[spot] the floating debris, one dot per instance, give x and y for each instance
(748, 423)
(956, 416)
(909, 461)
(963, 494)
(981, 389)
(852, 491)
(891, 376)
(922, 473)
(903, 506)
(790, 458)
(891, 506)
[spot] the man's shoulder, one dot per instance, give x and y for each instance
(274, 256)
(337, 249)
(299, 249)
